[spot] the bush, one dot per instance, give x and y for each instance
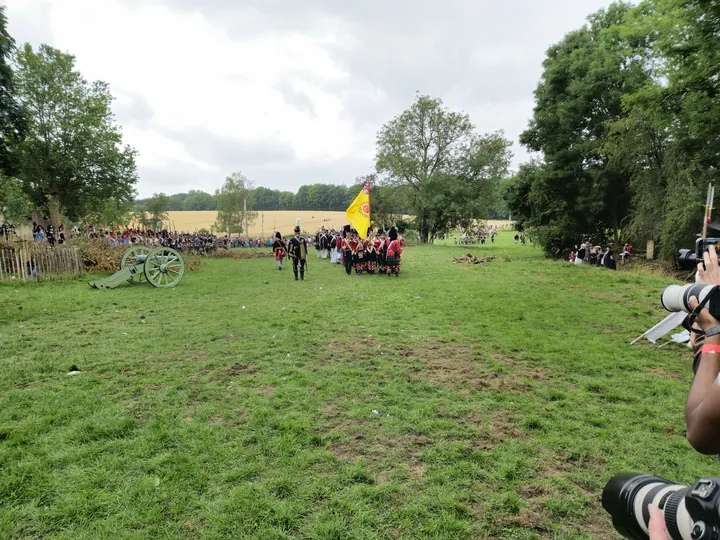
(100, 256)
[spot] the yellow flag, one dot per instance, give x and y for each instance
(359, 212)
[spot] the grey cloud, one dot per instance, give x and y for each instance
(136, 111)
(473, 52)
(296, 98)
(175, 177)
(231, 154)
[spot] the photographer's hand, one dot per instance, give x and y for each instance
(708, 268)
(657, 528)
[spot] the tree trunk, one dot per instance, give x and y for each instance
(54, 211)
(424, 233)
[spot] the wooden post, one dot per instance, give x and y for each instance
(650, 254)
(21, 253)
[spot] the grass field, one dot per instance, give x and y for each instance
(454, 402)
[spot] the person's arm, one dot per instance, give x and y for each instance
(702, 409)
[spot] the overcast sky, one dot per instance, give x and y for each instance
(293, 92)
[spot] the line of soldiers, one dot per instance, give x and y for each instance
(376, 253)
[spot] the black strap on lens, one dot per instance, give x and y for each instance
(695, 312)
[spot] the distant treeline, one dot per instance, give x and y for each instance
(333, 198)
(313, 197)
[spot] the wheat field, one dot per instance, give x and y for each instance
(267, 222)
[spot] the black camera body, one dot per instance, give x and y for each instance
(687, 259)
(690, 513)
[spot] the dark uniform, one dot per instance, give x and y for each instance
(278, 248)
(297, 251)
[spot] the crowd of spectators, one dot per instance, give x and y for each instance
(599, 256)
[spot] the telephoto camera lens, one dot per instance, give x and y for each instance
(677, 297)
(628, 496)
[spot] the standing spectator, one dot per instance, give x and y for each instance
(51, 235)
(580, 254)
(609, 259)
(626, 253)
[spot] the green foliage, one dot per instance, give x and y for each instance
(235, 203)
(451, 174)
(503, 404)
(12, 119)
(71, 158)
(199, 200)
(112, 213)
(15, 206)
(580, 191)
(157, 210)
(626, 117)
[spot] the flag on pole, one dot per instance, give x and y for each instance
(359, 212)
(667, 325)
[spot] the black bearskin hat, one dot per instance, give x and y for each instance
(393, 234)
(346, 231)
(380, 231)
(278, 235)
(297, 228)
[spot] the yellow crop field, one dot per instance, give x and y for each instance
(267, 222)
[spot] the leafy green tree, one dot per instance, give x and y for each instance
(580, 191)
(157, 209)
(199, 200)
(15, 206)
(668, 140)
(235, 192)
(141, 217)
(450, 171)
(113, 213)
(267, 199)
(287, 200)
(71, 158)
(175, 202)
(12, 119)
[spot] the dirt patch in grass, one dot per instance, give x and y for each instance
(663, 373)
(356, 349)
(465, 368)
(494, 427)
(266, 390)
(235, 370)
(360, 439)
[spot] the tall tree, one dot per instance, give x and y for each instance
(449, 170)
(12, 120)
(72, 160)
(232, 199)
(157, 209)
(580, 190)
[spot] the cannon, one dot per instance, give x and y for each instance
(161, 267)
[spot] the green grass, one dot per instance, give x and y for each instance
(506, 396)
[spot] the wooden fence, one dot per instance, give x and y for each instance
(27, 262)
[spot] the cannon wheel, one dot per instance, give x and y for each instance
(129, 258)
(164, 267)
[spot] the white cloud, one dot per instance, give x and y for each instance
(312, 85)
